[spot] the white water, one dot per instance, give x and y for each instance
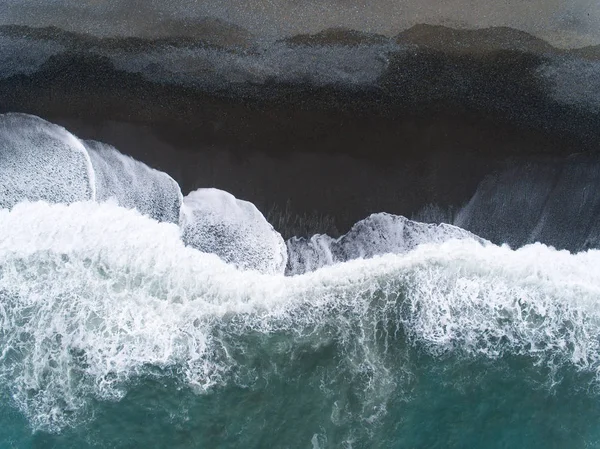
(43, 161)
(133, 184)
(92, 294)
(376, 235)
(214, 221)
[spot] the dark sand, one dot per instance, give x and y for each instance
(330, 155)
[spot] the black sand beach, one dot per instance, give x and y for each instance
(417, 264)
(317, 158)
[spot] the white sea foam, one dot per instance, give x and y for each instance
(42, 161)
(94, 294)
(216, 222)
(375, 235)
(133, 184)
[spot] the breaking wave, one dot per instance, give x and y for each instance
(112, 279)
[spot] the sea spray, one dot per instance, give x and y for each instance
(132, 184)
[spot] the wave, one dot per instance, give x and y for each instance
(95, 297)
(133, 184)
(61, 173)
(216, 222)
(376, 235)
(98, 297)
(42, 161)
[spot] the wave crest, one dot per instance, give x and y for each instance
(95, 297)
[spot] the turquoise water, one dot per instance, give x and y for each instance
(304, 398)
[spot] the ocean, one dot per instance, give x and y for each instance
(299, 225)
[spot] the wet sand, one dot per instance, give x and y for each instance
(330, 155)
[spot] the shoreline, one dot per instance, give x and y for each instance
(332, 154)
